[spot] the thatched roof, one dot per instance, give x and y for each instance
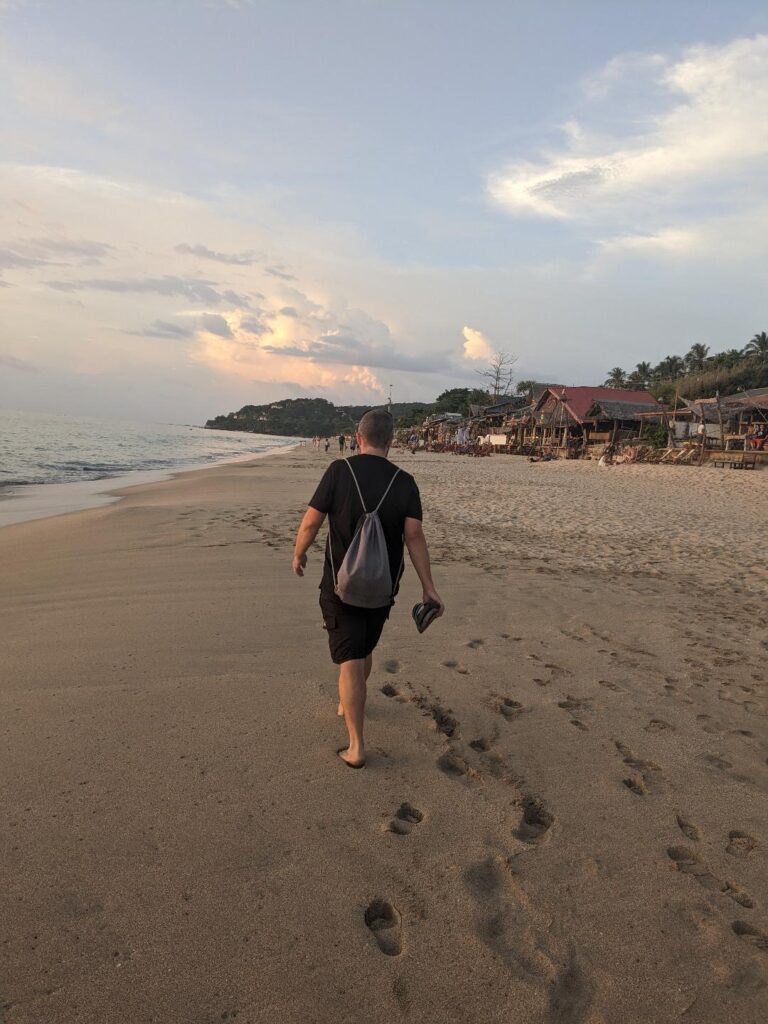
(610, 409)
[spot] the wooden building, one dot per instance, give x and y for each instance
(570, 419)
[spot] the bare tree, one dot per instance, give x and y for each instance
(499, 374)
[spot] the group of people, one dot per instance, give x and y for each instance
(466, 446)
(344, 441)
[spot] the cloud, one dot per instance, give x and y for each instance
(671, 241)
(13, 363)
(280, 272)
(194, 290)
(41, 252)
(164, 329)
(476, 345)
(619, 69)
(215, 324)
(241, 259)
(343, 349)
(254, 325)
(12, 260)
(711, 131)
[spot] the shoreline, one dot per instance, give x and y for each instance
(31, 502)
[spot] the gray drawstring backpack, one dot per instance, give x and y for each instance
(364, 579)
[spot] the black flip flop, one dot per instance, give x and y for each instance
(349, 764)
(424, 614)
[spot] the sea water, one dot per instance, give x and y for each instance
(51, 464)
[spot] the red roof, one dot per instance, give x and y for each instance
(578, 401)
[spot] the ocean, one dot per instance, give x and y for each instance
(51, 464)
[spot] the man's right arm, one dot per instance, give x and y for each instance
(416, 543)
(305, 537)
(320, 505)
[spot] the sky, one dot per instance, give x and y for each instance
(209, 203)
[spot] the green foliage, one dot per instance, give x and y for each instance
(656, 435)
(699, 374)
(460, 399)
(758, 346)
(307, 417)
(747, 373)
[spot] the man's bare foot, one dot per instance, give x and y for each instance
(340, 710)
(346, 755)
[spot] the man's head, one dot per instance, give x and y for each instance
(375, 430)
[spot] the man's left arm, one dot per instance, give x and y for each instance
(308, 530)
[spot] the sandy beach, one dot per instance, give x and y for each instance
(564, 816)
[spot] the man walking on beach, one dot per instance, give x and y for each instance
(345, 496)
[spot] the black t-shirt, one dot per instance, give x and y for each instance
(337, 496)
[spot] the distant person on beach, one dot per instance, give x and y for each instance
(342, 443)
(327, 443)
(353, 444)
(353, 632)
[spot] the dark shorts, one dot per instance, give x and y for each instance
(352, 632)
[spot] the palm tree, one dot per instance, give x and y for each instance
(642, 373)
(670, 366)
(758, 346)
(616, 378)
(727, 359)
(694, 359)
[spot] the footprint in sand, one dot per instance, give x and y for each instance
(659, 725)
(482, 743)
(688, 862)
(636, 785)
(451, 663)
(406, 816)
(649, 772)
(392, 666)
(688, 828)
(740, 844)
(535, 822)
(716, 761)
(571, 704)
(579, 724)
(509, 708)
(474, 644)
(454, 765)
(751, 934)
(384, 920)
(388, 690)
(445, 721)
(610, 686)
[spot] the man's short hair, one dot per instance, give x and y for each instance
(377, 428)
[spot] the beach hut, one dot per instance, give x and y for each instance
(571, 418)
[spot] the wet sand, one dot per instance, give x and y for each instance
(564, 818)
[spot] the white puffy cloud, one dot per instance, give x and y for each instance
(710, 135)
(476, 345)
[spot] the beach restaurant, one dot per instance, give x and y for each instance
(569, 420)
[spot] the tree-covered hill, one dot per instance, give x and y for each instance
(308, 417)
